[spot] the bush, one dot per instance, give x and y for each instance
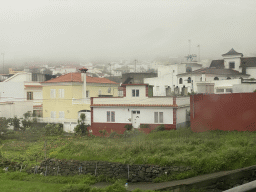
(144, 126)
(81, 128)
(160, 128)
(54, 129)
(3, 125)
(128, 127)
(16, 123)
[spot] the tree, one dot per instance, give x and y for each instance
(81, 128)
(16, 123)
(3, 125)
(26, 122)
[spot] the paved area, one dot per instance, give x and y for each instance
(171, 184)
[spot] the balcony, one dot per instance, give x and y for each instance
(55, 120)
(81, 101)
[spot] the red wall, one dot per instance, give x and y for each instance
(225, 112)
(119, 128)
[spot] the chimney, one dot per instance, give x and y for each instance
(83, 78)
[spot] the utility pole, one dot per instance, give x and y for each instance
(198, 53)
(135, 65)
(3, 61)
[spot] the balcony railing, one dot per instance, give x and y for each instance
(55, 120)
(81, 101)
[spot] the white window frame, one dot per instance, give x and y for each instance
(61, 93)
(135, 92)
(53, 93)
(61, 114)
(53, 114)
(159, 117)
(111, 116)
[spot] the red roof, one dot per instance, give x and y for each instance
(76, 77)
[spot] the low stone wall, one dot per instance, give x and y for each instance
(133, 173)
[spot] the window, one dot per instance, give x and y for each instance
(135, 92)
(228, 77)
(216, 78)
(109, 90)
(61, 114)
(99, 91)
(136, 112)
(61, 93)
(110, 116)
(87, 94)
(29, 95)
(231, 65)
(228, 90)
(53, 93)
(180, 81)
(220, 90)
(53, 114)
(158, 117)
(189, 79)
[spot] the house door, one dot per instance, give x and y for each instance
(135, 119)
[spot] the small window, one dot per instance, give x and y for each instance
(133, 112)
(87, 94)
(61, 114)
(158, 117)
(53, 93)
(180, 81)
(228, 77)
(109, 90)
(231, 65)
(220, 90)
(138, 112)
(29, 95)
(135, 92)
(112, 116)
(99, 92)
(61, 93)
(216, 78)
(189, 79)
(108, 116)
(53, 114)
(229, 90)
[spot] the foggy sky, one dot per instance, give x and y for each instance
(125, 29)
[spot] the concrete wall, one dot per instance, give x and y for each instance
(17, 108)
(251, 71)
(225, 112)
(11, 91)
(244, 87)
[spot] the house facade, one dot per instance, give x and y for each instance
(67, 96)
(136, 108)
(20, 90)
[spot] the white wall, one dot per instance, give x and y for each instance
(10, 91)
(142, 89)
(235, 59)
(251, 71)
(122, 114)
(245, 87)
(17, 108)
(20, 77)
(181, 115)
(183, 101)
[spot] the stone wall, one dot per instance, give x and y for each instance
(133, 173)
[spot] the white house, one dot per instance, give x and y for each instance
(168, 78)
(232, 67)
(136, 108)
(22, 89)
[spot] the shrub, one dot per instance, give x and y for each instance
(81, 128)
(54, 129)
(16, 123)
(103, 132)
(26, 122)
(3, 125)
(113, 134)
(144, 126)
(128, 127)
(160, 128)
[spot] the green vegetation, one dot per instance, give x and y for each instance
(205, 152)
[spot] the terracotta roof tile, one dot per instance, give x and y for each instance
(76, 77)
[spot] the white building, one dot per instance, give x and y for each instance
(136, 108)
(168, 78)
(19, 90)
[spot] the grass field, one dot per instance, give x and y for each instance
(207, 152)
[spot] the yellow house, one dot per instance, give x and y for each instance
(68, 95)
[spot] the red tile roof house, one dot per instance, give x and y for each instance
(137, 108)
